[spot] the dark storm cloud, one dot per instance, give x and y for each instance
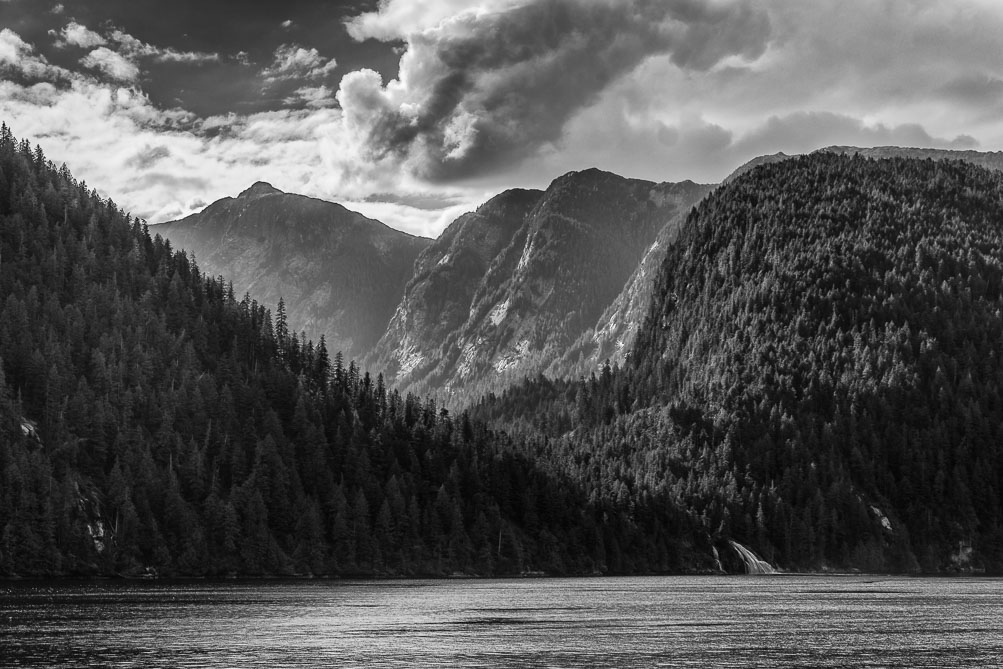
(488, 89)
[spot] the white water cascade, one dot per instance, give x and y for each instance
(753, 565)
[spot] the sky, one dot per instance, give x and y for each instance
(415, 111)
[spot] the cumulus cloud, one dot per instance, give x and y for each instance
(312, 96)
(112, 64)
(118, 53)
(488, 87)
(295, 62)
(13, 49)
(75, 34)
(19, 57)
(156, 162)
(163, 164)
(128, 47)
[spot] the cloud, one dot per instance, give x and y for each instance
(75, 34)
(163, 164)
(805, 131)
(13, 49)
(295, 62)
(112, 64)
(126, 46)
(483, 90)
(978, 90)
(172, 181)
(121, 63)
(396, 18)
(148, 156)
(914, 72)
(312, 96)
(135, 48)
(17, 56)
(491, 94)
(419, 221)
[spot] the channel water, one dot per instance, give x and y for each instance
(764, 621)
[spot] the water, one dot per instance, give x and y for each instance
(779, 621)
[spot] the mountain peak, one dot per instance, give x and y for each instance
(258, 189)
(589, 174)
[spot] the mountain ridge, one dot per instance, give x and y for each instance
(569, 252)
(817, 376)
(339, 273)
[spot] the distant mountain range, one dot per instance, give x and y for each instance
(815, 382)
(552, 282)
(552, 263)
(339, 273)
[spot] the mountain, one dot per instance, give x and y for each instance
(992, 160)
(818, 377)
(152, 423)
(339, 273)
(754, 163)
(817, 382)
(612, 337)
(507, 289)
(437, 300)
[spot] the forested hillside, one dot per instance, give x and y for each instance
(153, 422)
(819, 378)
(820, 373)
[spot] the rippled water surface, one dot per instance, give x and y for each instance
(782, 621)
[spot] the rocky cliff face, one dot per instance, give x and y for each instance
(438, 298)
(340, 274)
(612, 337)
(508, 289)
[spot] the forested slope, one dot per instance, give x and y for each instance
(152, 421)
(820, 373)
(818, 378)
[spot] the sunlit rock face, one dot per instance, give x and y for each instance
(507, 290)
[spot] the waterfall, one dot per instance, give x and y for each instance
(753, 565)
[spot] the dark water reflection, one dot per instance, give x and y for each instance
(783, 621)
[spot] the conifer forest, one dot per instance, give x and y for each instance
(818, 377)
